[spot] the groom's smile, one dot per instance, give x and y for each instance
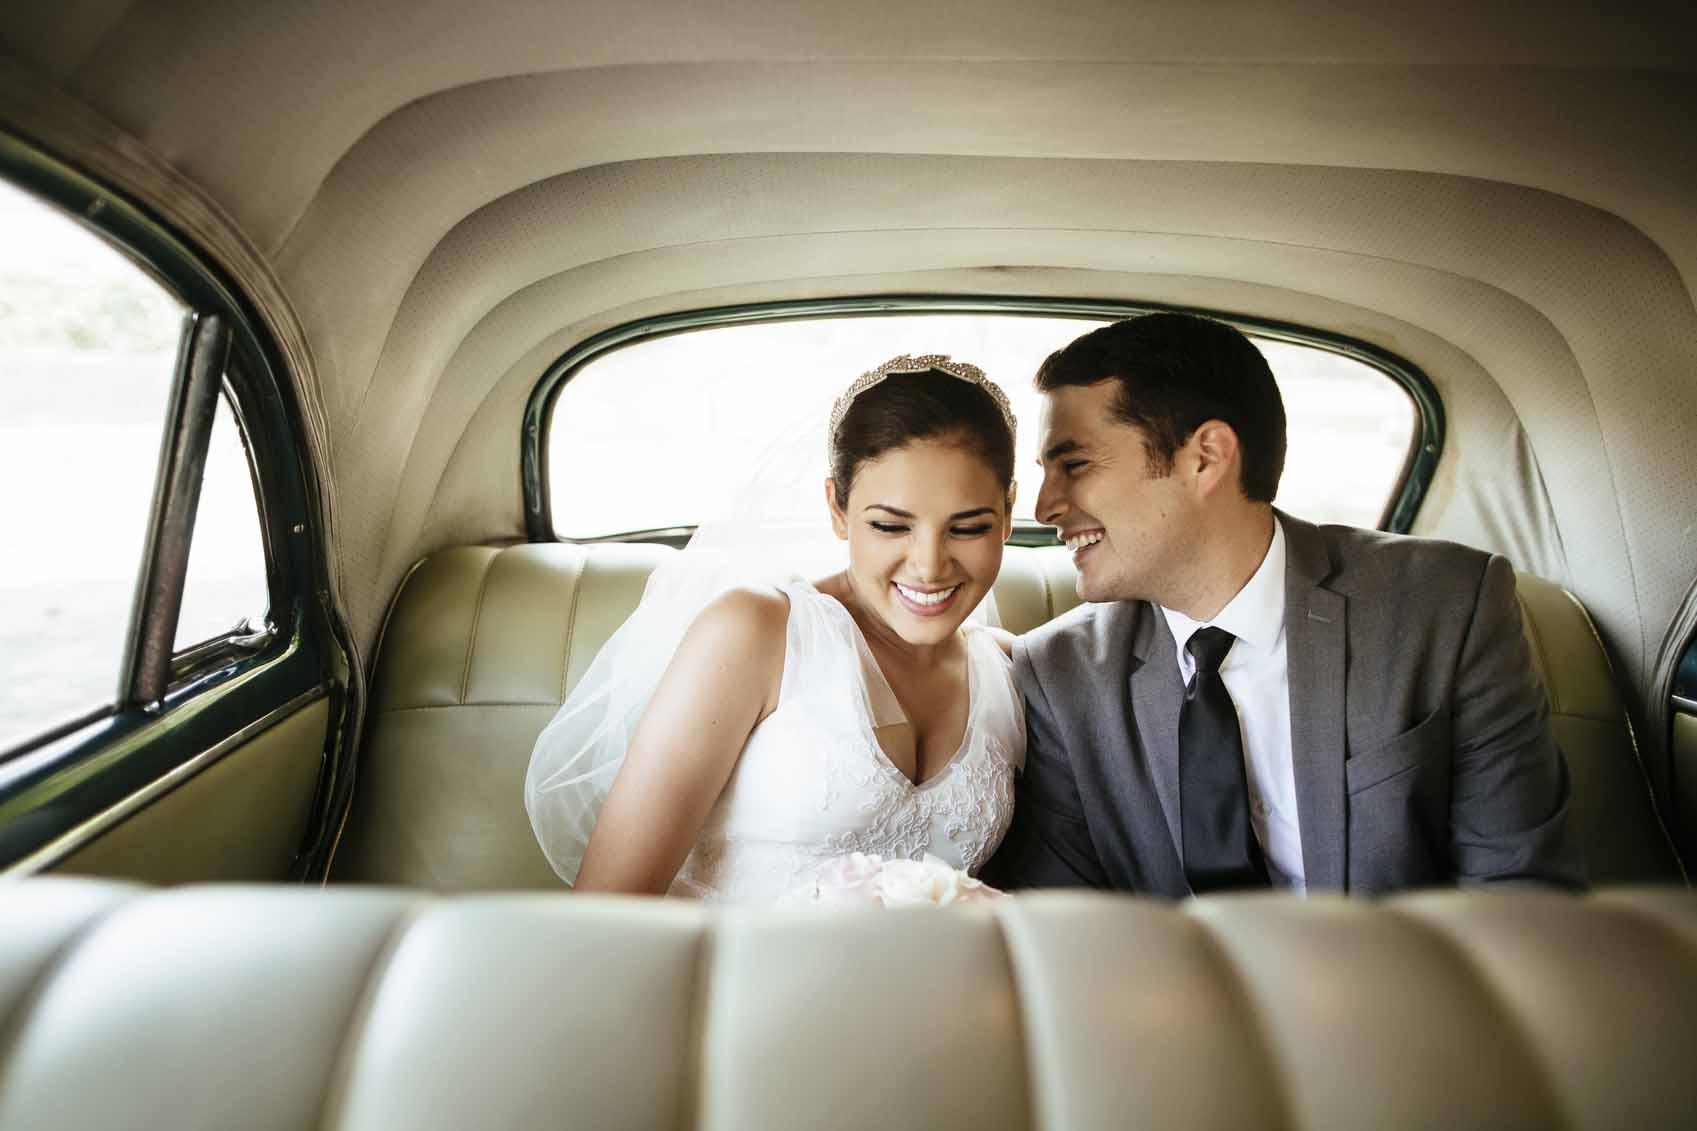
(1082, 540)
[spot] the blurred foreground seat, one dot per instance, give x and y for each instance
(225, 1007)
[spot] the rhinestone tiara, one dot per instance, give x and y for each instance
(906, 363)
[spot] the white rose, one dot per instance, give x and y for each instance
(912, 883)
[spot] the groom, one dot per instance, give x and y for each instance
(1248, 699)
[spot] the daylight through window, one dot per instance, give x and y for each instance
(717, 422)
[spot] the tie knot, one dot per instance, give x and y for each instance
(1208, 648)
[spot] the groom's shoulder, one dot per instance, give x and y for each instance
(1079, 635)
(1374, 561)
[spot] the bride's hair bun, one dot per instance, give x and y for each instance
(920, 398)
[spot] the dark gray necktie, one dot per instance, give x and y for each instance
(1220, 850)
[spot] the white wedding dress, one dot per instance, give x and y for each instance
(812, 784)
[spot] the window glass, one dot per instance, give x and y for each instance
(226, 582)
(88, 347)
(670, 432)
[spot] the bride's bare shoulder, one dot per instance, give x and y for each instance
(751, 615)
(744, 629)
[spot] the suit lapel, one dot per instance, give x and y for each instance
(1157, 694)
(1315, 636)
(1146, 680)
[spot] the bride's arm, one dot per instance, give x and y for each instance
(722, 681)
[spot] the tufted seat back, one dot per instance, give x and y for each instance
(478, 652)
(286, 1008)
(483, 643)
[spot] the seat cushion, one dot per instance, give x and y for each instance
(283, 1008)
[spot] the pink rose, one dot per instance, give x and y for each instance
(931, 881)
(842, 881)
(862, 879)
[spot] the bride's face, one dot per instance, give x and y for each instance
(925, 525)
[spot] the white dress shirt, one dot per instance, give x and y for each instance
(1257, 676)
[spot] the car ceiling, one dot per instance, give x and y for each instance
(430, 201)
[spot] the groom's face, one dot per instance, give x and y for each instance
(1129, 525)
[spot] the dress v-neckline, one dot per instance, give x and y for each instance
(869, 667)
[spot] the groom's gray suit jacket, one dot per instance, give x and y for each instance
(1418, 730)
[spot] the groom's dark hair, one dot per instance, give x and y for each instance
(1174, 372)
(907, 407)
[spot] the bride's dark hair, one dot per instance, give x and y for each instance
(931, 405)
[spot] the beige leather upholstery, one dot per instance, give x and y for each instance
(283, 1009)
(483, 643)
(478, 653)
(1618, 824)
(480, 648)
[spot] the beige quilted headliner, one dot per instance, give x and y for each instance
(433, 200)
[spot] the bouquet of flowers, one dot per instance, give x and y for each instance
(867, 880)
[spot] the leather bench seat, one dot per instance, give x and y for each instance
(482, 644)
(276, 1008)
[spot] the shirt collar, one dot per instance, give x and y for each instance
(1256, 615)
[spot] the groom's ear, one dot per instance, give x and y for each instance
(839, 520)
(1215, 454)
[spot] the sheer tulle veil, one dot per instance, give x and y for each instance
(774, 529)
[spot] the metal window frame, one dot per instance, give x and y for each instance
(173, 705)
(1425, 447)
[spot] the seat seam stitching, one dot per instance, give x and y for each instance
(388, 618)
(455, 706)
(476, 619)
(571, 621)
(1584, 718)
(1544, 657)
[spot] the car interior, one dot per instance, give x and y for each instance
(280, 874)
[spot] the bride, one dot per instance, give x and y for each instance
(797, 722)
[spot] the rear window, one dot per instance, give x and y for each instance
(668, 432)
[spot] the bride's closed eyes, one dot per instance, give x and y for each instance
(972, 531)
(957, 528)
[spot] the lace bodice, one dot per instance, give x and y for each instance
(813, 783)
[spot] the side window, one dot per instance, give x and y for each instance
(88, 350)
(225, 590)
(90, 344)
